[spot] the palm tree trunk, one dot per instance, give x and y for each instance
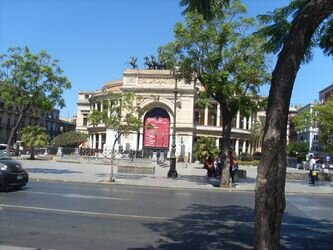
(270, 195)
(32, 152)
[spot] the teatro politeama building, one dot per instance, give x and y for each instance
(158, 89)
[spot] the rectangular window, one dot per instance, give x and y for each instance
(85, 121)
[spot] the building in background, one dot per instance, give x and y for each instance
(156, 87)
(325, 94)
(33, 117)
(66, 125)
(310, 134)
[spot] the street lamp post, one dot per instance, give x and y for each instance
(172, 171)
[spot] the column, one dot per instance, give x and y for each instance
(238, 120)
(244, 147)
(94, 141)
(244, 123)
(99, 141)
(206, 116)
(91, 141)
(249, 148)
(237, 146)
(218, 116)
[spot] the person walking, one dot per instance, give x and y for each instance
(312, 170)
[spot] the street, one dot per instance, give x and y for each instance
(51, 215)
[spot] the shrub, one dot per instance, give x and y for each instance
(256, 156)
(69, 139)
(205, 148)
(245, 157)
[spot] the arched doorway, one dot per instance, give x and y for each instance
(156, 132)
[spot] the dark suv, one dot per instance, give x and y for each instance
(11, 173)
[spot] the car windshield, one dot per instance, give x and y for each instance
(4, 156)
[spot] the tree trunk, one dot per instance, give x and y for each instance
(32, 152)
(270, 194)
(225, 145)
(15, 128)
(113, 155)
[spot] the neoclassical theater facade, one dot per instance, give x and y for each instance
(157, 90)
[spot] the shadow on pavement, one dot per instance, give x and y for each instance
(206, 227)
(232, 227)
(51, 171)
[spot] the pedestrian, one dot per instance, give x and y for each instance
(218, 165)
(209, 165)
(233, 167)
(312, 170)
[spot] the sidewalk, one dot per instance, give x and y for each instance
(189, 176)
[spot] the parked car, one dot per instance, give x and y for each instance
(12, 173)
(3, 148)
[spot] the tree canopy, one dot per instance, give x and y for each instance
(69, 139)
(225, 58)
(298, 149)
(30, 80)
(205, 148)
(120, 112)
(321, 116)
(291, 31)
(325, 124)
(34, 136)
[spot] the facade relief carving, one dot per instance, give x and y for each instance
(157, 81)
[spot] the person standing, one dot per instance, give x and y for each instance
(233, 168)
(312, 170)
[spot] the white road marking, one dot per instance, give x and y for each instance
(143, 217)
(91, 197)
(79, 196)
(86, 212)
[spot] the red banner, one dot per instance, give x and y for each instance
(156, 132)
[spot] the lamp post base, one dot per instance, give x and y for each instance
(172, 171)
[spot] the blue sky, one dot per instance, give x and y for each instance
(93, 39)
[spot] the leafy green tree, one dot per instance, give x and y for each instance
(321, 116)
(298, 149)
(69, 139)
(30, 80)
(325, 124)
(121, 113)
(32, 137)
(294, 30)
(305, 119)
(229, 63)
(205, 148)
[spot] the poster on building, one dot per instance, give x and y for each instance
(156, 132)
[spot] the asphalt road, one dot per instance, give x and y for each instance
(50, 215)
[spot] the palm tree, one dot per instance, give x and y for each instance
(208, 8)
(34, 136)
(257, 132)
(205, 148)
